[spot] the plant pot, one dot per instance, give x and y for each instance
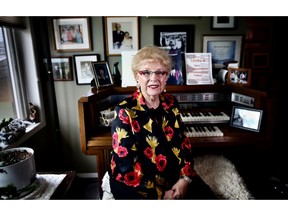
(18, 174)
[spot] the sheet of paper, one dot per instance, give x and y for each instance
(127, 73)
(198, 69)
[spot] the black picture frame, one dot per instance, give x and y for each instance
(185, 31)
(62, 68)
(177, 40)
(98, 67)
(246, 118)
(83, 71)
(223, 22)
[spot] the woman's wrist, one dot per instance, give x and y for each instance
(187, 179)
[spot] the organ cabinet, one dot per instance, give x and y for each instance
(205, 109)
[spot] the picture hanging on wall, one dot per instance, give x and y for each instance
(83, 70)
(61, 68)
(121, 34)
(72, 34)
(223, 48)
(177, 40)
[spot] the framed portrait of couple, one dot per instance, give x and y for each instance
(121, 34)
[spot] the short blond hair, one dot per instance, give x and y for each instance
(151, 53)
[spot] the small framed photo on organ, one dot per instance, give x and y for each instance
(246, 118)
(239, 76)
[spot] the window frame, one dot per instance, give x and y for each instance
(24, 75)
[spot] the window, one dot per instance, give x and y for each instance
(19, 82)
(7, 105)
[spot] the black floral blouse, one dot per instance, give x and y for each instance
(150, 148)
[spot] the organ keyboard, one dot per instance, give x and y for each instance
(204, 117)
(203, 131)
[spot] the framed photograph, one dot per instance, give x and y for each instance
(121, 33)
(102, 74)
(72, 34)
(61, 68)
(246, 118)
(239, 76)
(224, 49)
(177, 40)
(223, 22)
(83, 70)
(175, 37)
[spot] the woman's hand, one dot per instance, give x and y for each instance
(169, 195)
(180, 188)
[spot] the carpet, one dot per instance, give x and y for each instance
(222, 177)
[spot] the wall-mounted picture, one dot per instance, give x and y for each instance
(223, 22)
(83, 70)
(224, 49)
(72, 34)
(61, 68)
(102, 74)
(246, 118)
(177, 40)
(175, 37)
(239, 76)
(121, 33)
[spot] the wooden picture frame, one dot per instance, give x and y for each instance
(175, 35)
(126, 39)
(239, 76)
(61, 68)
(72, 34)
(83, 70)
(246, 118)
(223, 22)
(102, 74)
(224, 49)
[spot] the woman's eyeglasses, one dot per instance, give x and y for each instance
(148, 73)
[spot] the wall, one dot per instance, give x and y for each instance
(68, 93)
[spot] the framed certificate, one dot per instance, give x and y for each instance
(224, 49)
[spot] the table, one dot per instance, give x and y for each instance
(52, 185)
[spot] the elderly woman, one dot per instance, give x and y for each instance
(151, 157)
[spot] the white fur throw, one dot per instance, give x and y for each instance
(222, 177)
(216, 171)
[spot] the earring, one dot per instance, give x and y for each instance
(138, 87)
(164, 88)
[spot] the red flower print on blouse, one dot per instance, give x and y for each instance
(135, 126)
(122, 151)
(123, 117)
(132, 179)
(186, 143)
(169, 132)
(148, 152)
(112, 164)
(187, 170)
(115, 142)
(135, 95)
(161, 162)
(119, 177)
(142, 101)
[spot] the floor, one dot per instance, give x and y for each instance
(84, 189)
(260, 179)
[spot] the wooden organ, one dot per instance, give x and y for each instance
(205, 109)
